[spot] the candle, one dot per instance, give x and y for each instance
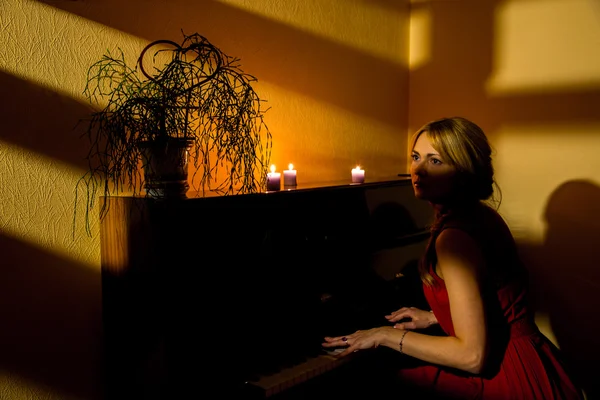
(289, 176)
(358, 175)
(273, 180)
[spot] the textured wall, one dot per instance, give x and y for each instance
(334, 72)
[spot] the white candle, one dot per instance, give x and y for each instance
(358, 175)
(289, 176)
(273, 180)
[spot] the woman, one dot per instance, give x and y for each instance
(474, 283)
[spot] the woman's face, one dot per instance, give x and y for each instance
(432, 177)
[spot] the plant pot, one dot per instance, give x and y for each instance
(165, 164)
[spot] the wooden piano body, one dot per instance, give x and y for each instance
(235, 293)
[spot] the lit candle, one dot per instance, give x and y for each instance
(358, 175)
(273, 180)
(289, 176)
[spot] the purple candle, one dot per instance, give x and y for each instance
(358, 175)
(289, 176)
(273, 180)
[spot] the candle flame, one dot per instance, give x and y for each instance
(273, 168)
(358, 167)
(291, 166)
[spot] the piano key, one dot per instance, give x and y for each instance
(298, 374)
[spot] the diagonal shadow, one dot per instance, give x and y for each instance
(299, 61)
(51, 305)
(50, 310)
(42, 120)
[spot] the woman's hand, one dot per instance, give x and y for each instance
(419, 319)
(359, 340)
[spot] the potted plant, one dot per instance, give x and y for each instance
(189, 99)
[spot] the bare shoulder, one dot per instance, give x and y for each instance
(457, 247)
(454, 240)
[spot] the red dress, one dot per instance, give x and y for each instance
(524, 364)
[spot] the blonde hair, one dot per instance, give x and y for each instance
(464, 145)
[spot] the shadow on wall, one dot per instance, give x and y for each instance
(51, 322)
(43, 121)
(50, 307)
(468, 31)
(273, 51)
(565, 275)
(283, 56)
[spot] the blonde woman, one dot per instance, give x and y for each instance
(475, 285)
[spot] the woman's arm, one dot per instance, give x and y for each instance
(459, 263)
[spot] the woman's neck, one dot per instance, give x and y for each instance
(457, 206)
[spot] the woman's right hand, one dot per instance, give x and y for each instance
(419, 319)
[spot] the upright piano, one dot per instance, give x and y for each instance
(231, 296)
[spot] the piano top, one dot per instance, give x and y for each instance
(317, 186)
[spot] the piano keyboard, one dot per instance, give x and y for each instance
(297, 374)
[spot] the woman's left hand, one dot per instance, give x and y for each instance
(359, 340)
(418, 319)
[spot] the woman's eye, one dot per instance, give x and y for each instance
(436, 161)
(415, 157)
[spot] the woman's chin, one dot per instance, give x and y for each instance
(419, 194)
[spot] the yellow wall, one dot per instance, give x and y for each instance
(528, 71)
(335, 74)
